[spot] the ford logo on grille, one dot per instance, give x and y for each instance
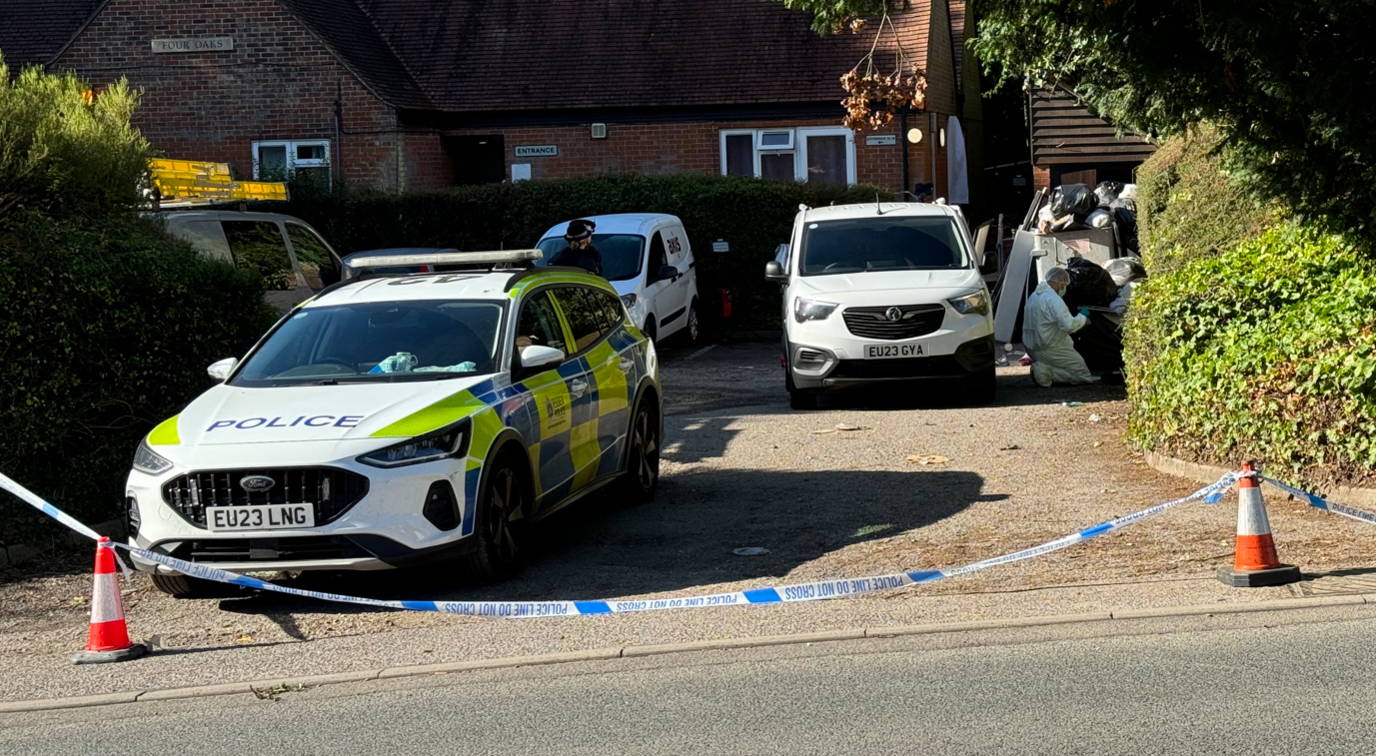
(256, 483)
(893, 314)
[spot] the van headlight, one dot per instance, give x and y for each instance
(445, 442)
(628, 300)
(149, 461)
(805, 309)
(974, 304)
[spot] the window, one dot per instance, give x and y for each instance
(280, 161)
(612, 308)
(880, 243)
(585, 316)
(258, 245)
(539, 325)
(317, 265)
(805, 154)
(378, 342)
(621, 253)
(658, 258)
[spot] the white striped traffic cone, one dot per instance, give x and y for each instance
(109, 637)
(1256, 563)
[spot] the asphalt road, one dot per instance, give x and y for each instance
(1277, 683)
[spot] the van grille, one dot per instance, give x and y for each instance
(913, 321)
(331, 491)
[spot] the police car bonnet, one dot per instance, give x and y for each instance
(233, 415)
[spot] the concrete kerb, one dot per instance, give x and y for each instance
(564, 657)
(1357, 497)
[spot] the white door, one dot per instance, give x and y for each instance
(672, 301)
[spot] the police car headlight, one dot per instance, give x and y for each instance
(446, 442)
(805, 309)
(149, 461)
(976, 304)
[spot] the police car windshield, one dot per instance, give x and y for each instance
(880, 243)
(622, 254)
(378, 342)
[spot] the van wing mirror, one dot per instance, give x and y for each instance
(221, 370)
(536, 356)
(667, 273)
(773, 271)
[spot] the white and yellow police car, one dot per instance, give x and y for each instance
(396, 419)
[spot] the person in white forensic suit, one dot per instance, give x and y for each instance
(1046, 328)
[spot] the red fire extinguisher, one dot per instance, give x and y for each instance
(726, 303)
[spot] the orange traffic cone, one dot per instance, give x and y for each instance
(109, 638)
(1256, 563)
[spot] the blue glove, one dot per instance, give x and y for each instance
(1084, 311)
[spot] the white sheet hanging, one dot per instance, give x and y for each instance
(957, 164)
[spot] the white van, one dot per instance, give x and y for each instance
(883, 294)
(648, 260)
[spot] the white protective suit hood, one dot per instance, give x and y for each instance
(1046, 328)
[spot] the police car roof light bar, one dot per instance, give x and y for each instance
(488, 258)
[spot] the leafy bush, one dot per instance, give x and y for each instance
(105, 330)
(65, 150)
(754, 216)
(1253, 338)
(1189, 206)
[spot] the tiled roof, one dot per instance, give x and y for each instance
(35, 31)
(483, 55)
(344, 28)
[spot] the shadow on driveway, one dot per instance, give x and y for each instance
(599, 549)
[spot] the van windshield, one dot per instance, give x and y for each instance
(378, 342)
(880, 244)
(621, 253)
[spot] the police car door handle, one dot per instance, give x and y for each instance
(578, 388)
(626, 364)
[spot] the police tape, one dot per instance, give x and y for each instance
(825, 589)
(1318, 502)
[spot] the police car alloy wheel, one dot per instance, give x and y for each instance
(404, 418)
(502, 521)
(642, 461)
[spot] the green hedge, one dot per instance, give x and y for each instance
(104, 331)
(1189, 206)
(1251, 342)
(754, 216)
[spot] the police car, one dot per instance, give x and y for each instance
(400, 418)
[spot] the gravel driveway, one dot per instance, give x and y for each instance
(740, 469)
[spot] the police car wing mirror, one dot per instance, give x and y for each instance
(540, 356)
(221, 370)
(667, 273)
(773, 271)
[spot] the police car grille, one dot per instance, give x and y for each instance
(331, 491)
(913, 321)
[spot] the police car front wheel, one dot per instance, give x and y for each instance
(501, 522)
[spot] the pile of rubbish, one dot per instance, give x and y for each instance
(1074, 207)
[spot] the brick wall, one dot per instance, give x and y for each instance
(667, 148)
(278, 82)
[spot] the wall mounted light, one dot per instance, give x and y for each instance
(943, 137)
(914, 135)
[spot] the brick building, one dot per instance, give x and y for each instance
(417, 94)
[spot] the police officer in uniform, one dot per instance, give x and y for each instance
(580, 253)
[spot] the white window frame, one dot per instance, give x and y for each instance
(805, 132)
(797, 147)
(293, 163)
